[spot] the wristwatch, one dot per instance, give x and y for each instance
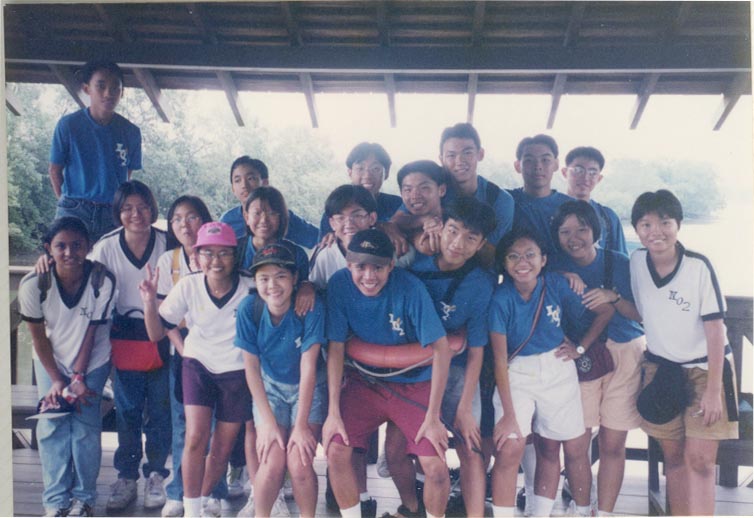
(580, 349)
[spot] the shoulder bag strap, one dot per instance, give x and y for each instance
(534, 324)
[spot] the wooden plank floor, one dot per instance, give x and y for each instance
(27, 488)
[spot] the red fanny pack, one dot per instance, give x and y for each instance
(132, 349)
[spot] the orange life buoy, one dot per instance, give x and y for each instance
(399, 356)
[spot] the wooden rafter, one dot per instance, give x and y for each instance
(477, 26)
(148, 83)
(574, 24)
(645, 92)
(307, 85)
(383, 26)
(200, 22)
(116, 30)
(12, 102)
(471, 91)
(390, 89)
(65, 77)
(737, 88)
(290, 22)
(679, 13)
(231, 93)
(558, 88)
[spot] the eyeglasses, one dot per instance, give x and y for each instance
(590, 173)
(190, 219)
(354, 217)
(514, 258)
(210, 255)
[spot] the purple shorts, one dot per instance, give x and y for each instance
(364, 407)
(226, 392)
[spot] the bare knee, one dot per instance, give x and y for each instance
(509, 455)
(700, 463)
(435, 471)
(339, 456)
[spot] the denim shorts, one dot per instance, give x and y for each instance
(283, 399)
(452, 396)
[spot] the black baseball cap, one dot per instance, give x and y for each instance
(370, 246)
(276, 253)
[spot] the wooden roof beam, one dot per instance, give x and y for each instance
(116, 30)
(66, 78)
(383, 26)
(679, 13)
(390, 89)
(645, 91)
(207, 32)
(12, 102)
(558, 88)
(574, 24)
(231, 93)
(307, 86)
(148, 83)
(471, 89)
(737, 88)
(477, 26)
(290, 22)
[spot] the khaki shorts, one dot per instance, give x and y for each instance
(687, 424)
(610, 401)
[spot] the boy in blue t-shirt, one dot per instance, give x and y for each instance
(94, 150)
(385, 306)
(288, 401)
(246, 174)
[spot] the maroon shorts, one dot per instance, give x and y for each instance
(364, 407)
(226, 392)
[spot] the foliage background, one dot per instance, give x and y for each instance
(192, 154)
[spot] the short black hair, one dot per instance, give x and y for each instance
(585, 214)
(129, 188)
(663, 202)
(254, 163)
(85, 73)
(475, 215)
(197, 204)
(588, 152)
(541, 138)
(462, 130)
(426, 167)
(345, 195)
(276, 201)
(508, 240)
(362, 151)
(66, 223)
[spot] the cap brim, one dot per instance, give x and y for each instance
(276, 262)
(362, 258)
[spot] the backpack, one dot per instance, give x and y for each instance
(96, 279)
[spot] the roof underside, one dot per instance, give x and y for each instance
(466, 47)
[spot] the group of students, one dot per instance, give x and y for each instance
(456, 306)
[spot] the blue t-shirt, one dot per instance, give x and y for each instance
(248, 252)
(611, 236)
(300, 231)
(512, 316)
(536, 214)
(279, 347)
(468, 307)
(401, 313)
(95, 158)
(387, 205)
(620, 329)
(503, 206)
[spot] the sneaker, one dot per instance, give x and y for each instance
(172, 508)
(288, 488)
(572, 511)
(280, 508)
(79, 508)
(382, 469)
(154, 491)
(369, 508)
(212, 508)
(122, 493)
(57, 511)
(235, 480)
(567, 496)
(521, 500)
(247, 511)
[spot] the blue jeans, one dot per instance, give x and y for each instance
(283, 400)
(136, 392)
(70, 447)
(98, 217)
(174, 489)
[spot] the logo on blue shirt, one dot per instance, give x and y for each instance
(447, 309)
(554, 315)
(122, 153)
(397, 324)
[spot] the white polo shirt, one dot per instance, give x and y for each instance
(674, 308)
(67, 319)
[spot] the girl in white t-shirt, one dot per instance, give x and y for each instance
(68, 310)
(213, 369)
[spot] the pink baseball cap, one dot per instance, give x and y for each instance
(215, 233)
